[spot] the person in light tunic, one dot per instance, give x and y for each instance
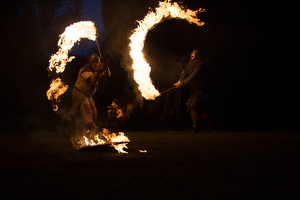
(84, 89)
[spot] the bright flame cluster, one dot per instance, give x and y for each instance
(57, 88)
(114, 109)
(72, 34)
(58, 61)
(118, 141)
(141, 68)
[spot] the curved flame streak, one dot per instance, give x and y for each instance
(141, 68)
(58, 61)
(72, 34)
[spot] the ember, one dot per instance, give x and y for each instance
(165, 10)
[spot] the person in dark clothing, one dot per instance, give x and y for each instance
(193, 77)
(84, 89)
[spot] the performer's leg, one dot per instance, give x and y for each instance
(194, 118)
(87, 113)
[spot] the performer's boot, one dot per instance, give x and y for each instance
(92, 130)
(194, 117)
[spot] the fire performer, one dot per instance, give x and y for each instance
(192, 76)
(84, 89)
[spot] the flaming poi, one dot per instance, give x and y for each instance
(165, 10)
(72, 34)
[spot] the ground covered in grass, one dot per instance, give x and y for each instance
(159, 164)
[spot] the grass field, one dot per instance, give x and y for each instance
(173, 165)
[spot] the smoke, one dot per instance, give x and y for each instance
(119, 20)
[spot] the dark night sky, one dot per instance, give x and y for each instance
(246, 45)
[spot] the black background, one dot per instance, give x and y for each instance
(252, 153)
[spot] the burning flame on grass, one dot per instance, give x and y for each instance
(165, 10)
(118, 141)
(58, 61)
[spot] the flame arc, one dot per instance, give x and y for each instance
(142, 69)
(72, 34)
(58, 61)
